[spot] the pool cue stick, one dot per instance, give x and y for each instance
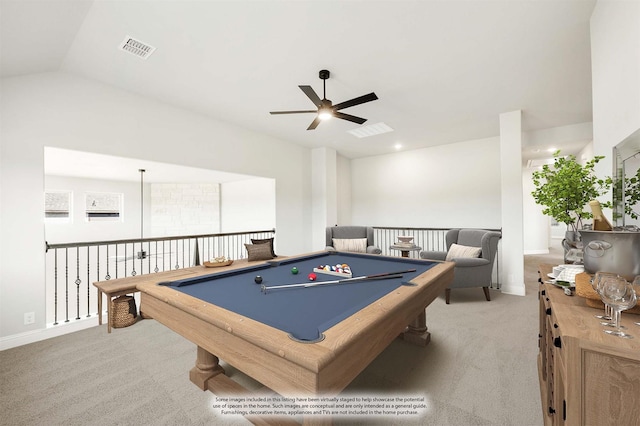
(384, 275)
(319, 283)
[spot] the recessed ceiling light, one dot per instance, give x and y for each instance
(552, 149)
(371, 130)
(397, 146)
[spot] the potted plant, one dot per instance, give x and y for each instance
(565, 188)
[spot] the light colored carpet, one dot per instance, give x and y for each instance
(479, 369)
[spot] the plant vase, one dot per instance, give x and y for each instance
(572, 245)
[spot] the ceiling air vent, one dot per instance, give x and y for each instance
(136, 47)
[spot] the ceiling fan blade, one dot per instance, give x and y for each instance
(315, 111)
(311, 94)
(314, 123)
(348, 117)
(356, 101)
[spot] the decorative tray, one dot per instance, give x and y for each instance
(217, 264)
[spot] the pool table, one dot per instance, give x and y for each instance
(296, 340)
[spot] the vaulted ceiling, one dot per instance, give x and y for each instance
(443, 70)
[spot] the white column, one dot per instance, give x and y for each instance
(324, 194)
(512, 252)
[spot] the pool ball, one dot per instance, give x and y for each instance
(312, 276)
(294, 270)
(258, 279)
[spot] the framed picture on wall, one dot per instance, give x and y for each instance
(57, 206)
(103, 206)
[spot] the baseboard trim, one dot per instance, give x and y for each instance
(515, 290)
(51, 331)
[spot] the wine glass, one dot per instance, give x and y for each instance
(636, 287)
(596, 282)
(618, 293)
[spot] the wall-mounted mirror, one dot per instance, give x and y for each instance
(626, 162)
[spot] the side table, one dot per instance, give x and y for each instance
(121, 286)
(404, 250)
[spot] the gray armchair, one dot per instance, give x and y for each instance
(469, 271)
(349, 233)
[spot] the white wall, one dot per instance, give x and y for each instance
(79, 229)
(615, 64)
(536, 225)
(324, 199)
(66, 111)
(184, 209)
(572, 133)
(248, 205)
(343, 189)
(456, 185)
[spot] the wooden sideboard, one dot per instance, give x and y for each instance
(587, 377)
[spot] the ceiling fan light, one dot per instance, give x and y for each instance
(325, 114)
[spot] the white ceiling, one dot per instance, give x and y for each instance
(443, 70)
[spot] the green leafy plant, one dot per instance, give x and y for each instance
(565, 188)
(631, 196)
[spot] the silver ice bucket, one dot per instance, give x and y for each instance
(612, 251)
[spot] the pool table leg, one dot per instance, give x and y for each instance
(416, 332)
(206, 367)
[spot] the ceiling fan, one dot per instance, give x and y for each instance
(325, 107)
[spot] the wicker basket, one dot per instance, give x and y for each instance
(123, 311)
(584, 289)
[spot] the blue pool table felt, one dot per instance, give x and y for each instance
(304, 313)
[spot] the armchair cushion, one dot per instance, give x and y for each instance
(458, 250)
(357, 245)
(350, 233)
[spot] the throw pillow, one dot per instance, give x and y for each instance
(265, 241)
(258, 252)
(457, 250)
(357, 245)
